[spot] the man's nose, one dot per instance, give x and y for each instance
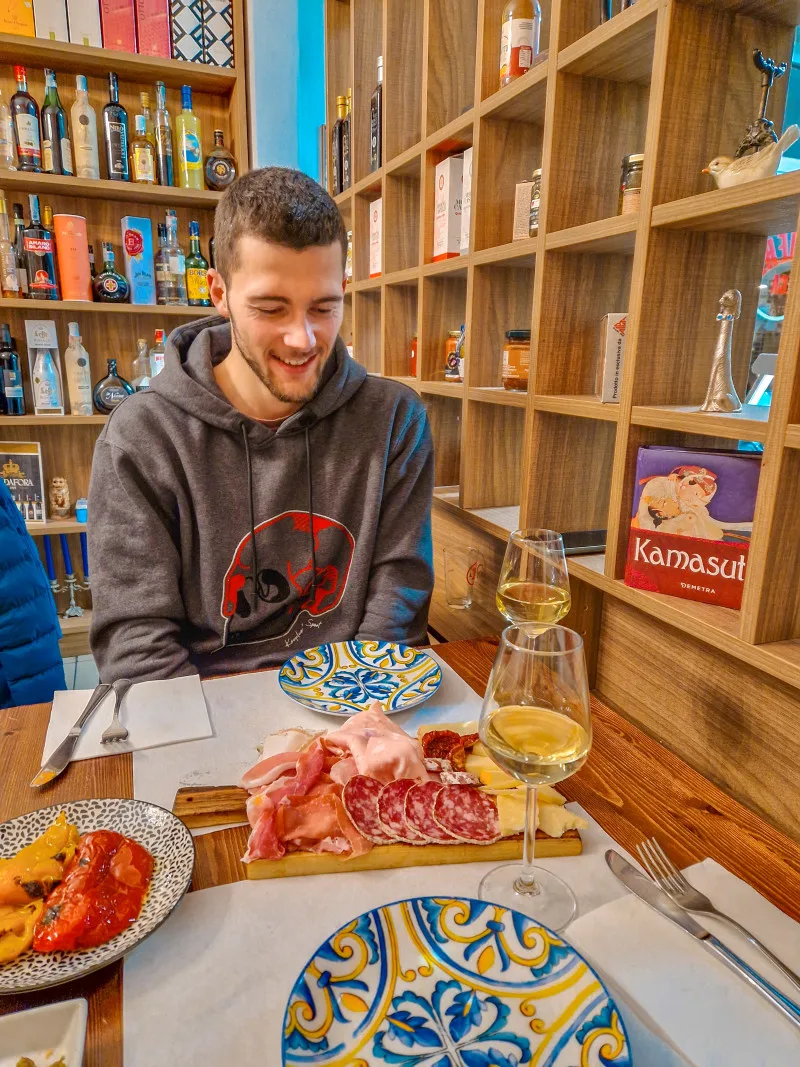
(300, 335)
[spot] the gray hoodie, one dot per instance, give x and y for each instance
(190, 499)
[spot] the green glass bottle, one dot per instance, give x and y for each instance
(196, 270)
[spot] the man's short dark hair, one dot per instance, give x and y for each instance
(277, 204)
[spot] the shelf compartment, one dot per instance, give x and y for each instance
(370, 183)
(497, 394)
(451, 390)
(619, 50)
(444, 416)
(400, 310)
(452, 35)
(494, 442)
(749, 424)
(455, 267)
(444, 308)
(502, 299)
(763, 207)
(79, 307)
(402, 75)
(616, 234)
(508, 154)
(406, 162)
(401, 219)
(582, 407)
(368, 45)
(367, 330)
(362, 205)
(22, 182)
(338, 69)
(522, 100)
(520, 253)
(454, 136)
(490, 55)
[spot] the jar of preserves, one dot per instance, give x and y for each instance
(630, 187)
(412, 359)
(452, 363)
(520, 26)
(536, 193)
(516, 359)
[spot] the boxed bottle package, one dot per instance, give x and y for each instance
(16, 16)
(186, 18)
(84, 23)
(44, 367)
(375, 237)
(72, 248)
(447, 208)
(50, 17)
(217, 33)
(611, 355)
(522, 211)
(466, 202)
(691, 525)
(137, 248)
(119, 25)
(152, 28)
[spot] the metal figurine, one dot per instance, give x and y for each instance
(721, 395)
(73, 608)
(762, 132)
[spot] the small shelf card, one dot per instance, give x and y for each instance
(21, 470)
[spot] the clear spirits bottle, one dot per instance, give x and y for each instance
(143, 163)
(115, 133)
(9, 281)
(176, 292)
(56, 145)
(110, 287)
(142, 372)
(157, 354)
(25, 113)
(12, 396)
(79, 379)
(8, 149)
(220, 167)
(111, 390)
(19, 250)
(46, 383)
(144, 108)
(163, 135)
(84, 132)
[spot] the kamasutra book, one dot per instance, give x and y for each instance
(692, 521)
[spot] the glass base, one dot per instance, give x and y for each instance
(552, 903)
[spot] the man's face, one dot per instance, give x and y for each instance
(285, 309)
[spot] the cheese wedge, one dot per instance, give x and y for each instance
(554, 820)
(551, 818)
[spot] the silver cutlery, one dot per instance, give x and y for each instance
(116, 732)
(642, 886)
(60, 757)
(674, 883)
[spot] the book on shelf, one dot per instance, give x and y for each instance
(692, 521)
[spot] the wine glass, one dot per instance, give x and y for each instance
(535, 724)
(534, 581)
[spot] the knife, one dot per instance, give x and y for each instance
(59, 759)
(644, 888)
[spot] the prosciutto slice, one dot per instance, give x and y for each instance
(379, 749)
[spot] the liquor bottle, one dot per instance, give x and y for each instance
(84, 132)
(142, 372)
(46, 383)
(190, 156)
(111, 390)
(162, 266)
(144, 109)
(38, 510)
(115, 133)
(347, 136)
(40, 260)
(12, 397)
(143, 160)
(176, 263)
(47, 223)
(19, 250)
(25, 113)
(157, 354)
(92, 269)
(376, 121)
(8, 149)
(220, 166)
(163, 134)
(211, 258)
(196, 270)
(336, 144)
(110, 287)
(79, 379)
(9, 281)
(56, 145)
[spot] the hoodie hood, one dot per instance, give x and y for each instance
(188, 382)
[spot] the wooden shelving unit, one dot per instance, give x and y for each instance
(719, 686)
(219, 97)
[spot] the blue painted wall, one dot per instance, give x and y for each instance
(310, 83)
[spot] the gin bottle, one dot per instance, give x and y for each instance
(141, 367)
(79, 381)
(46, 383)
(111, 390)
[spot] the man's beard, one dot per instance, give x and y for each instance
(266, 377)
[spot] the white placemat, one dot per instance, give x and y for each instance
(155, 713)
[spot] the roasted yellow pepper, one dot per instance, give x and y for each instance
(16, 928)
(32, 873)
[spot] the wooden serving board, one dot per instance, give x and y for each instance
(217, 805)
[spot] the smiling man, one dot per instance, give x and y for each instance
(265, 495)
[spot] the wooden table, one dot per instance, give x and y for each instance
(632, 786)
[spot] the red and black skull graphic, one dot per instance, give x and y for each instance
(284, 584)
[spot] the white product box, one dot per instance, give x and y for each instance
(375, 237)
(447, 208)
(611, 356)
(522, 211)
(84, 23)
(50, 17)
(466, 202)
(48, 389)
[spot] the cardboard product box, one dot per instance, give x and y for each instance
(522, 211)
(137, 248)
(218, 33)
(50, 17)
(84, 23)
(72, 247)
(16, 16)
(119, 25)
(186, 17)
(612, 354)
(375, 237)
(466, 202)
(153, 34)
(48, 386)
(447, 208)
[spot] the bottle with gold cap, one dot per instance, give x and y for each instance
(336, 144)
(144, 109)
(347, 131)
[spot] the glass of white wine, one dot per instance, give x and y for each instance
(535, 724)
(534, 580)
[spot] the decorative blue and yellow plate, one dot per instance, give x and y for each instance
(347, 677)
(443, 982)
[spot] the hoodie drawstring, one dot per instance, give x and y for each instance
(254, 601)
(311, 513)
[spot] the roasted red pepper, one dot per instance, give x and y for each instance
(102, 893)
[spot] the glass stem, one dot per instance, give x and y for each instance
(526, 882)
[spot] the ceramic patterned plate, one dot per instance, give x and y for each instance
(444, 982)
(347, 677)
(161, 833)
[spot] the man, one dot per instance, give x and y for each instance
(265, 495)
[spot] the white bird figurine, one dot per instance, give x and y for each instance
(727, 172)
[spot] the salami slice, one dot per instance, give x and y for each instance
(467, 814)
(459, 778)
(360, 799)
(392, 812)
(419, 813)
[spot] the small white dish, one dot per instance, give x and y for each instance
(45, 1034)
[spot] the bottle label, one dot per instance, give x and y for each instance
(8, 272)
(40, 246)
(143, 164)
(28, 143)
(177, 264)
(191, 150)
(47, 156)
(113, 395)
(12, 384)
(197, 284)
(110, 286)
(118, 147)
(66, 155)
(133, 242)
(516, 47)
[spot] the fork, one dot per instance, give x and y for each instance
(116, 731)
(672, 882)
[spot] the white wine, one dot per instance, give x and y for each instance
(536, 745)
(522, 601)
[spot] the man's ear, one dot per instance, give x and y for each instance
(218, 292)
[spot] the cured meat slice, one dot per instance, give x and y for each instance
(467, 814)
(438, 744)
(392, 811)
(437, 766)
(460, 778)
(360, 799)
(419, 813)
